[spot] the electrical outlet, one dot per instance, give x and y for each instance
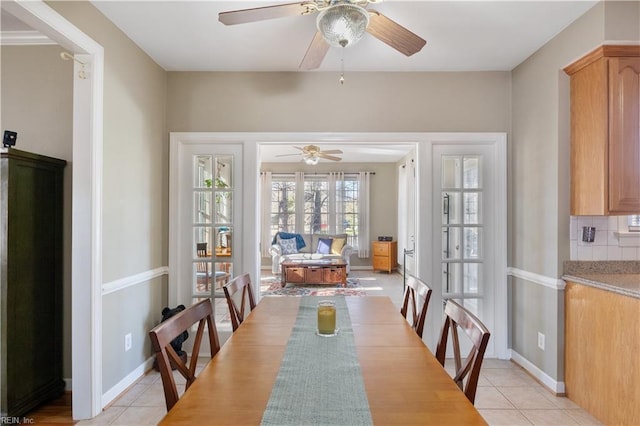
(127, 342)
(541, 341)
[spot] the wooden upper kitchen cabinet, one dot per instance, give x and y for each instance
(605, 132)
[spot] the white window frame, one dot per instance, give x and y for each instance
(332, 225)
(627, 236)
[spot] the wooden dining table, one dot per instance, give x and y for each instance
(404, 382)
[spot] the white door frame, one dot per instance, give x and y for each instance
(425, 231)
(86, 257)
(249, 236)
(181, 242)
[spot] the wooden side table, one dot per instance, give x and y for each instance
(385, 255)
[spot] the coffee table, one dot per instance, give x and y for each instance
(318, 271)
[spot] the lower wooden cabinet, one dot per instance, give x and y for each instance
(602, 343)
(385, 255)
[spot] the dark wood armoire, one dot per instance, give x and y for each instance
(31, 308)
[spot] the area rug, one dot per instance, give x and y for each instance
(275, 288)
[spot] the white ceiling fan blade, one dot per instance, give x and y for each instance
(244, 16)
(329, 157)
(315, 53)
(332, 151)
(394, 34)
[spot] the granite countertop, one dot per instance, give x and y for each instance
(622, 277)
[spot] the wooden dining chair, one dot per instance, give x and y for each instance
(242, 284)
(416, 300)
(456, 317)
(162, 335)
(203, 272)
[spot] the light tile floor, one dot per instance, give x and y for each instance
(506, 394)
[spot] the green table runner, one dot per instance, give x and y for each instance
(319, 382)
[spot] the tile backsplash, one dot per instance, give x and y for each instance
(605, 246)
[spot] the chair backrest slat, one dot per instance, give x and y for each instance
(241, 283)
(164, 333)
(416, 300)
(456, 317)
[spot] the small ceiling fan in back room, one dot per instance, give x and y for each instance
(340, 23)
(311, 154)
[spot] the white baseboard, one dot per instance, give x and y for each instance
(361, 268)
(544, 378)
(113, 393)
(68, 385)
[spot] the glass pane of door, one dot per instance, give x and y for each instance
(460, 212)
(213, 223)
(210, 176)
(461, 194)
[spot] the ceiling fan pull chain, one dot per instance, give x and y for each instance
(342, 68)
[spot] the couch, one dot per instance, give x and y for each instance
(308, 246)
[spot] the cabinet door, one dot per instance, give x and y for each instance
(381, 263)
(380, 249)
(624, 136)
(589, 140)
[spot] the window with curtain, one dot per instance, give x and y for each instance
(326, 203)
(283, 204)
(316, 205)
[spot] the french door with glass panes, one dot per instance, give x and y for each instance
(464, 226)
(209, 215)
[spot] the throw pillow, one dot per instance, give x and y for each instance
(288, 246)
(324, 245)
(337, 244)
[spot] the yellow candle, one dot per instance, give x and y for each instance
(326, 317)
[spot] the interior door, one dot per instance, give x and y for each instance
(463, 228)
(407, 216)
(209, 221)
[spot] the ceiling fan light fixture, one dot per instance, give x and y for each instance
(311, 160)
(343, 24)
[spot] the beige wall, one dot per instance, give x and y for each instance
(539, 206)
(316, 102)
(39, 106)
(540, 159)
(383, 201)
(135, 194)
(622, 21)
(311, 102)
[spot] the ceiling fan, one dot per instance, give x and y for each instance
(311, 154)
(340, 23)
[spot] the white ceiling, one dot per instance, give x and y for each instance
(461, 35)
